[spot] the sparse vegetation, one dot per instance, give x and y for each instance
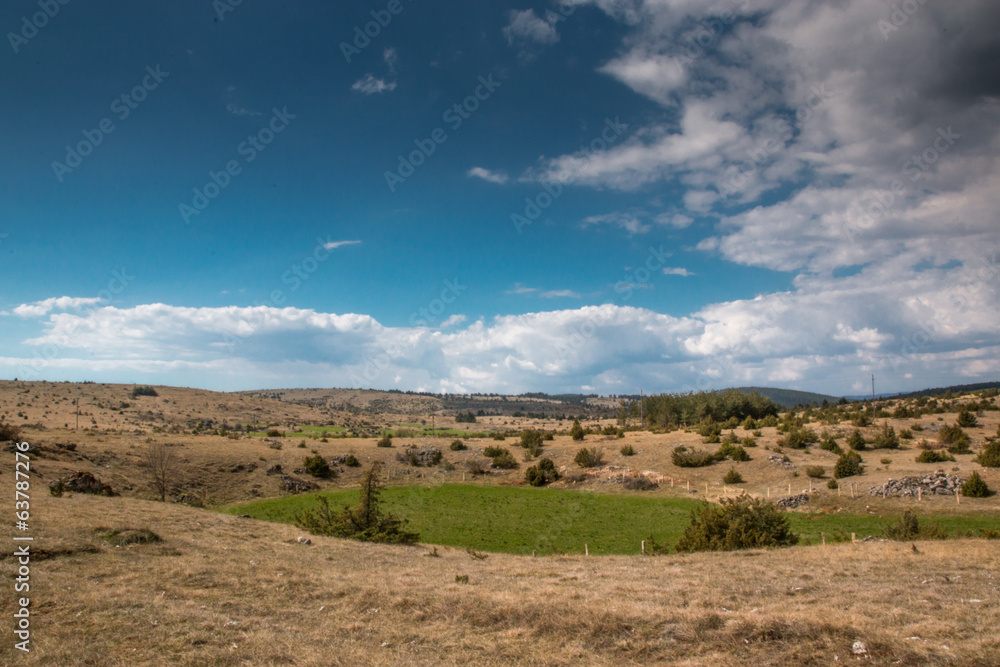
(848, 465)
(576, 431)
(933, 456)
(816, 472)
(733, 477)
(589, 458)
(143, 391)
(975, 486)
(627, 450)
(989, 457)
(458, 446)
(384, 441)
(542, 473)
(317, 466)
(682, 457)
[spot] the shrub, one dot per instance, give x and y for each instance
(733, 477)
(542, 473)
(491, 451)
(757, 433)
(639, 483)
(684, 458)
(886, 438)
(504, 461)
(735, 452)
(906, 527)
(905, 434)
(384, 441)
(828, 442)
(932, 456)
(799, 438)
(531, 438)
(975, 487)
(458, 446)
(497, 435)
(736, 523)
(966, 419)
(856, 441)
(57, 488)
(917, 427)
(749, 424)
(465, 418)
(627, 450)
(367, 521)
(143, 391)
(9, 432)
(576, 430)
(832, 484)
(351, 461)
(952, 434)
(848, 465)
(275, 433)
(317, 466)
(475, 468)
(989, 457)
(121, 537)
(423, 457)
(589, 458)
(749, 441)
(769, 420)
(816, 472)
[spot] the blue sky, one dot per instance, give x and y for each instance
(604, 196)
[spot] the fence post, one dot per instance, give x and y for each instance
(644, 547)
(823, 535)
(586, 549)
(920, 493)
(853, 540)
(768, 492)
(789, 489)
(958, 496)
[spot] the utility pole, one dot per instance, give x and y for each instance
(77, 413)
(873, 386)
(642, 420)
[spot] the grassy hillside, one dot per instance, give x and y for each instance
(787, 398)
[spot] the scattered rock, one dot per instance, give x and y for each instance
(938, 483)
(640, 483)
(239, 467)
(859, 648)
(779, 460)
(794, 501)
(84, 482)
(243, 516)
(424, 457)
(274, 470)
(295, 485)
(304, 540)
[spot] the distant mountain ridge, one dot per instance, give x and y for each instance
(787, 398)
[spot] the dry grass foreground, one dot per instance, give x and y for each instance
(220, 590)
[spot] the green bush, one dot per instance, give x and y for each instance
(367, 522)
(627, 450)
(491, 452)
(576, 430)
(967, 419)
(799, 438)
(768, 421)
(932, 456)
(351, 461)
(684, 458)
(317, 466)
(143, 391)
(531, 438)
(989, 457)
(832, 484)
(589, 458)
(749, 441)
(828, 442)
(734, 452)
(816, 472)
(905, 434)
(275, 433)
(886, 438)
(497, 435)
(542, 473)
(975, 487)
(856, 441)
(504, 461)
(733, 477)
(749, 424)
(848, 465)
(905, 527)
(952, 434)
(737, 523)
(458, 446)
(384, 441)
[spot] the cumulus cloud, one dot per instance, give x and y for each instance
(41, 308)
(487, 175)
(527, 27)
(676, 271)
(370, 85)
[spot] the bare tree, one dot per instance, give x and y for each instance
(160, 464)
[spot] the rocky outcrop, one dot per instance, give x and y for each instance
(794, 501)
(937, 483)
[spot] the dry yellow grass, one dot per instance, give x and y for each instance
(226, 591)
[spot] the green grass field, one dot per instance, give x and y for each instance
(522, 519)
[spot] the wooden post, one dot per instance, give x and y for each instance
(853, 540)
(706, 489)
(920, 493)
(533, 553)
(671, 482)
(768, 492)
(958, 496)
(586, 550)
(689, 485)
(644, 547)
(823, 535)
(838, 490)
(852, 489)
(810, 485)
(789, 489)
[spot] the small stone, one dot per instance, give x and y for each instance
(859, 648)
(304, 540)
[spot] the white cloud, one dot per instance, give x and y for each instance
(526, 26)
(333, 245)
(559, 294)
(369, 85)
(521, 289)
(676, 271)
(487, 175)
(40, 308)
(627, 221)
